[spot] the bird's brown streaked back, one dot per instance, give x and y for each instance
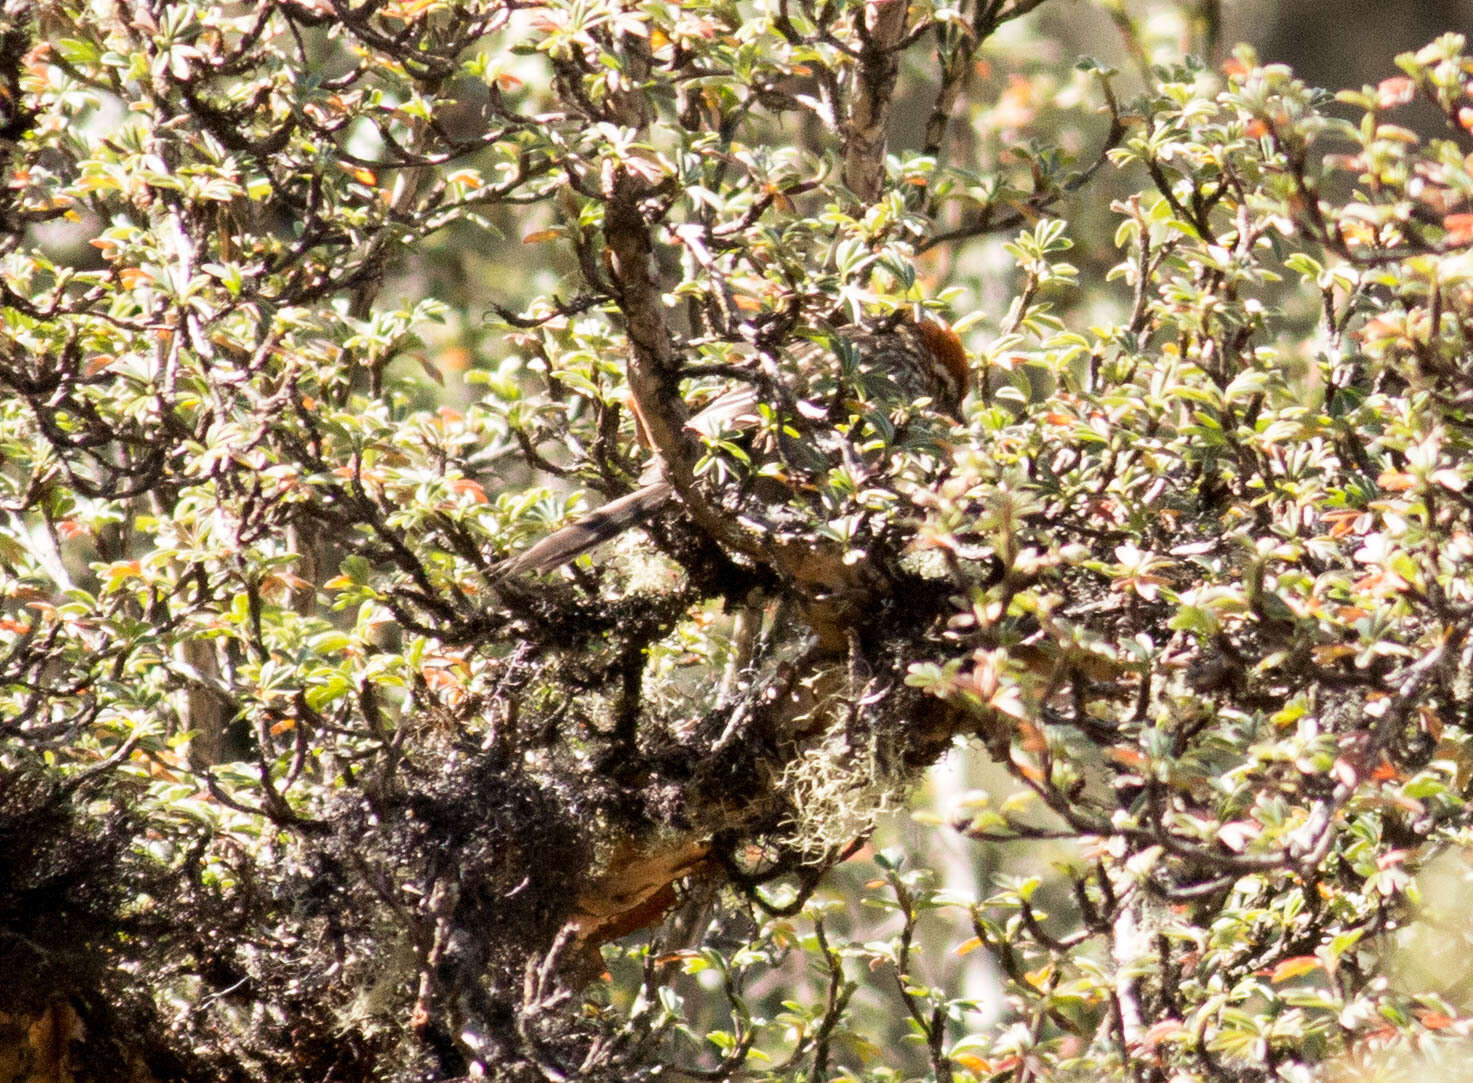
(925, 359)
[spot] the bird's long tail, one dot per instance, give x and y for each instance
(595, 528)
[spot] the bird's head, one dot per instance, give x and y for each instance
(950, 355)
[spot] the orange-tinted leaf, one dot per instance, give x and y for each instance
(1398, 90)
(470, 487)
(1295, 967)
(1127, 757)
(438, 678)
(1459, 228)
(1031, 737)
(1385, 772)
(1394, 481)
(1166, 1028)
(1383, 327)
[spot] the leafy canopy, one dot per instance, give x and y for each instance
(313, 314)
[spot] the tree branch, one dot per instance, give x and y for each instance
(881, 31)
(653, 363)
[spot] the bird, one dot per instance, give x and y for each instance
(912, 360)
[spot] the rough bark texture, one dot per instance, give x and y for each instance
(869, 116)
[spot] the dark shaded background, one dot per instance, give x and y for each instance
(1328, 43)
(1336, 43)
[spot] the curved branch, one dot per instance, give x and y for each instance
(653, 362)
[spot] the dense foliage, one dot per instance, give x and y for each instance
(311, 314)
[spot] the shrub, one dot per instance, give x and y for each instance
(314, 315)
